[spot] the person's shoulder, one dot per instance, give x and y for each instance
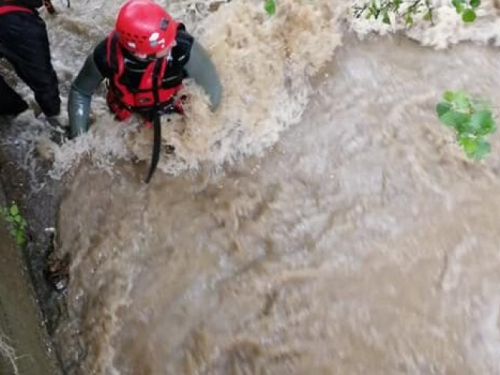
(184, 39)
(100, 56)
(184, 43)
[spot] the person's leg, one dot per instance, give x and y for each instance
(24, 43)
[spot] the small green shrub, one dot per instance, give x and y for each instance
(16, 223)
(471, 119)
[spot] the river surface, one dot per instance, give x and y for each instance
(321, 222)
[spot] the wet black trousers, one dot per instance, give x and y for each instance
(24, 43)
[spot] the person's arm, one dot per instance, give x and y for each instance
(80, 96)
(202, 70)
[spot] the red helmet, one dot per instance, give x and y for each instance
(145, 27)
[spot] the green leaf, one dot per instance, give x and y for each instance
(270, 7)
(14, 210)
(469, 144)
(17, 219)
(442, 108)
(459, 5)
(468, 15)
(20, 238)
(475, 3)
(427, 16)
(409, 20)
(482, 123)
(9, 219)
(455, 119)
(475, 148)
(461, 101)
(482, 149)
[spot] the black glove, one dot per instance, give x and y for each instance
(58, 133)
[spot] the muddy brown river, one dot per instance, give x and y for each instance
(321, 222)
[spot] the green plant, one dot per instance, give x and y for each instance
(270, 7)
(17, 224)
(466, 8)
(408, 10)
(471, 119)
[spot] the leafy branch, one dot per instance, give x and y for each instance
(471, 119)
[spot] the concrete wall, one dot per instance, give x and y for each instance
(20, 318)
